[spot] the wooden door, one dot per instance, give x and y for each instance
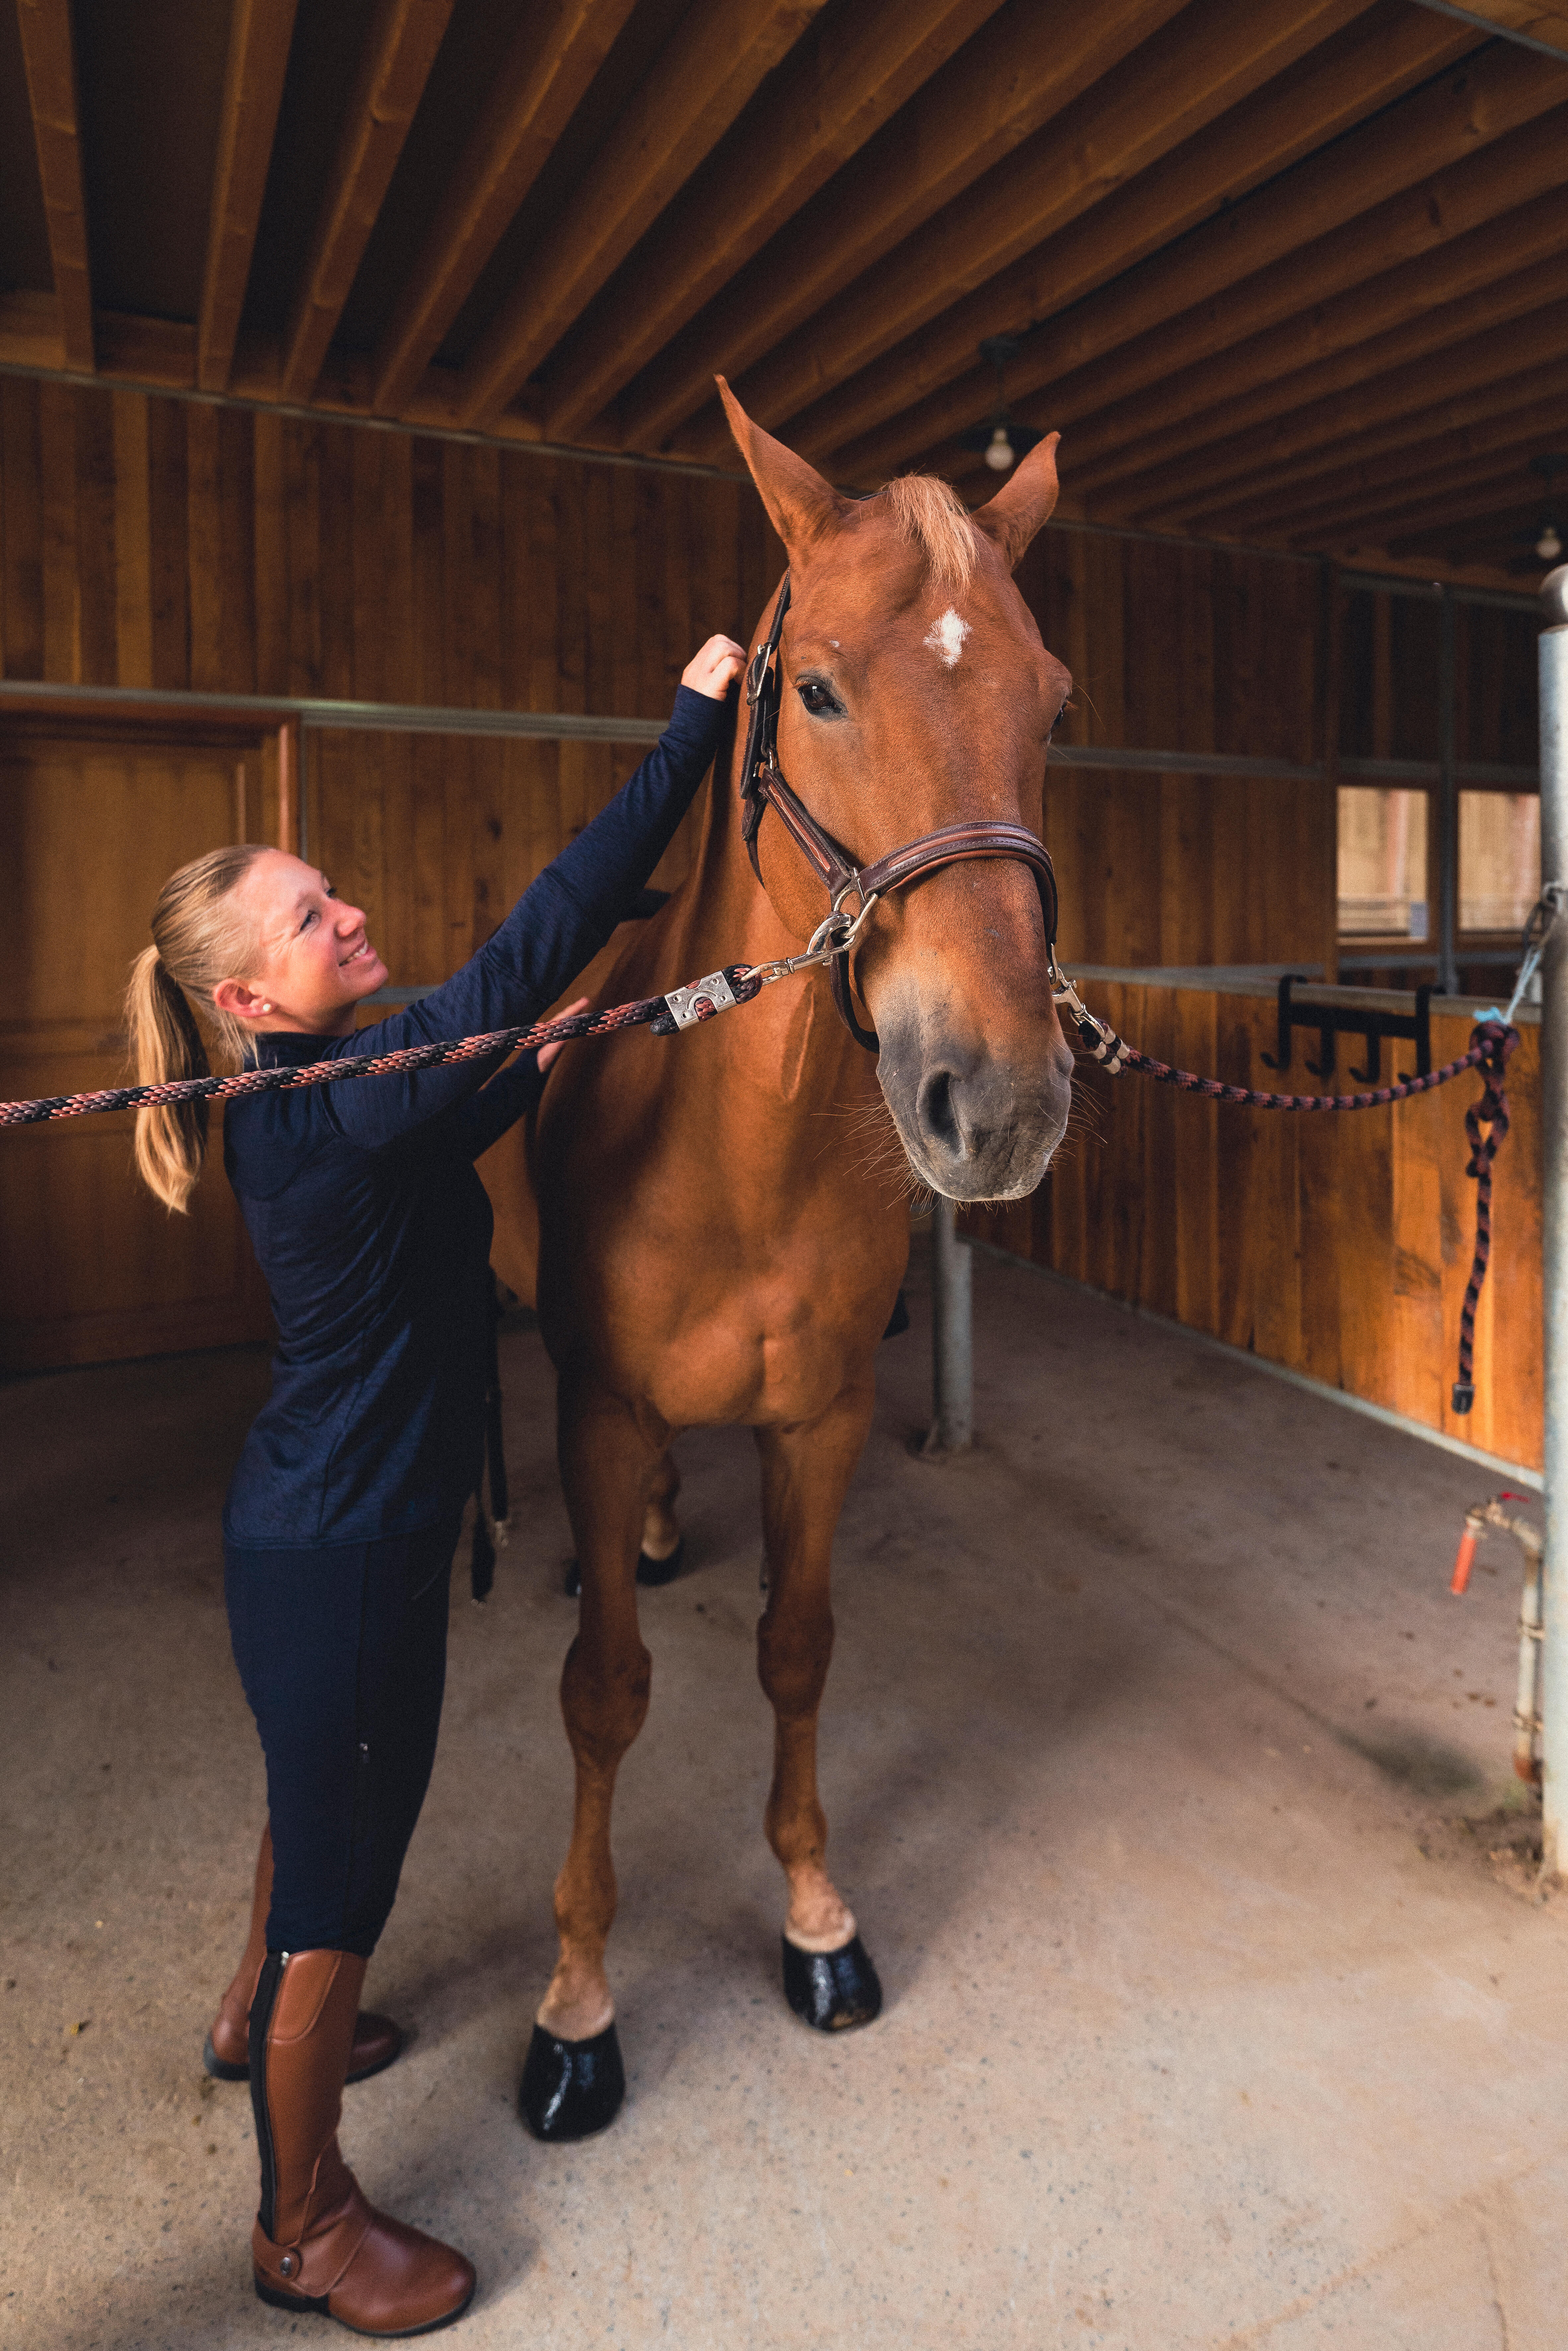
(91, 1266)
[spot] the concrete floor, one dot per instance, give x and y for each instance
(1148, 1753)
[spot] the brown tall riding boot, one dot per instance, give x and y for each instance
(376, 2039)
(317, 2244)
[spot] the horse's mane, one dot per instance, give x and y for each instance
(931, 514)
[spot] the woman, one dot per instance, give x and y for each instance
(342, 1515)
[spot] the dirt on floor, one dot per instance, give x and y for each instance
(1171, 1788)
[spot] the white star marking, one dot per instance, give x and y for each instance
(947, 638)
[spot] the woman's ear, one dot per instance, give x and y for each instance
(240, 1002)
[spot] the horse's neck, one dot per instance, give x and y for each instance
(729, 919)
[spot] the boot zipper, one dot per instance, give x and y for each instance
(262, 2006)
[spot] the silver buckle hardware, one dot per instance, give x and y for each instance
(715, 992)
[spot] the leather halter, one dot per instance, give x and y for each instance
(763, 785)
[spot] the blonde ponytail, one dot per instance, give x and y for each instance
(200, 938)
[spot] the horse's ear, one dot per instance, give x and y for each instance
(802, 506)
(1023, 504)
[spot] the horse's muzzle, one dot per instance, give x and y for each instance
(975, 1126)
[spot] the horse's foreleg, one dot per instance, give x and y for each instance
(806, 1470)
(660, 1528)
(573, 2082)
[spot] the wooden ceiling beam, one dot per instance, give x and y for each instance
(1478, 539)
(1445, 503)
(259, 34)
(1455, 482)
(1357, 339)
(1381, 414)
(1072, 207)
(553, 58)
(49, 57)
(715, 60)
(1540, 24)
(1374, 196)
(1441, 441)
(400, 51)
(1019, 72)
(847, 76)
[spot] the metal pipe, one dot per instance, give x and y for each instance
(1447, 808)
(952, 1335)
(1553, 657)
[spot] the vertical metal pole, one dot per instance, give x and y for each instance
(1554, 1173)
(952, 1335)
(1447, 807)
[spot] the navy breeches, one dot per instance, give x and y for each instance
(342, 1652)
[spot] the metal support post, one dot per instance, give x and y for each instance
(952, 1335)
(1447, 810)
(1554, 1173)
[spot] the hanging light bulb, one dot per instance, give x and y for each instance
(1549, 546)
(999, 452)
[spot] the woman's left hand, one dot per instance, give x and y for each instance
(712, 669)
(546, 1053)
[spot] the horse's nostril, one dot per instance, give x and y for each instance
(939, 1115)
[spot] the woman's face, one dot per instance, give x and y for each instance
(313, 960)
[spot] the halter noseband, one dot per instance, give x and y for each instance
(763, 785)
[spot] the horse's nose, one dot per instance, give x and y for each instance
(987, 1129)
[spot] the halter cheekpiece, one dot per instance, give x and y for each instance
(763, 786)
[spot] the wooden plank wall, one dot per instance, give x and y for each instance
(1193, 649)
(1337, 1244)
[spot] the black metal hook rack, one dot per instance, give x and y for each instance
(1335, 1020)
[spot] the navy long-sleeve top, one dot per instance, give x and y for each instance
(369, 1222)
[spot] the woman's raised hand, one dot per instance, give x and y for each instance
(711, 669)
(546, 1053)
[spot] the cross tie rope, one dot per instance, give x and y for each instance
(1492, 1042)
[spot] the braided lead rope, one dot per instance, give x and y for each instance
(654, 1011)
(1492, 1042)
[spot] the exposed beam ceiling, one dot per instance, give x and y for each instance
(253, 90)
(1284, 270)
(398, 57)
(46, 27)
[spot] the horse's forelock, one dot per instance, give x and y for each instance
(932, 515)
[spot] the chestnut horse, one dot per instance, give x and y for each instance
(703, 1257)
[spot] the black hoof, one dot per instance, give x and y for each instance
(833, 1990)
(571, 2088)
(661, 1570)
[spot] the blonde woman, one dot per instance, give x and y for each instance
(373, 1232)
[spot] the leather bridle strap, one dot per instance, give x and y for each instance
(763, 786)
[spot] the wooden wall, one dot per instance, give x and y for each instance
(154, 541)
(1193, 649)
(1337, 1244)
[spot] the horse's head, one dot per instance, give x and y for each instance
(916, 693)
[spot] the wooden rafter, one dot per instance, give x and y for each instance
(399, 54)
(1016, 74)
(1264, 141)
(553, 58)
(714, 62)
(1500, 487)
(1374, 330)
(259, 36)
(849, 74)
(1176, 85)
(1379, 414)
(1331, 222)
(1542, 23)
(1430, 463)
(50, 60)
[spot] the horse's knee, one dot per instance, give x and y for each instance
(792, 1661)
(605, 1701)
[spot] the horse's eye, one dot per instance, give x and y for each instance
(819, 699)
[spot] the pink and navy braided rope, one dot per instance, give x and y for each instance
(1492, 1042)
(651, 1012)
